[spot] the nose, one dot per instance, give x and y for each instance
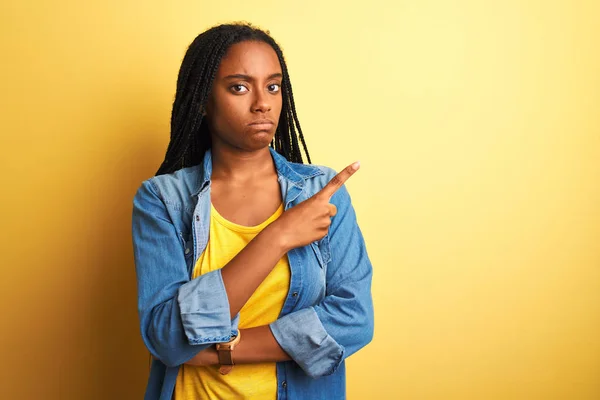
(261, 102)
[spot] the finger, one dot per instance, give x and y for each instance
(338, 180)
(332, 210)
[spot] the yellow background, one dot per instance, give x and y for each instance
(477, 126)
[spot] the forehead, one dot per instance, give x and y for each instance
(249, 58)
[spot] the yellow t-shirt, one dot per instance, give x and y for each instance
(245, 381)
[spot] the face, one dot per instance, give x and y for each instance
(245, 102)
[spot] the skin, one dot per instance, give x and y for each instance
(245, 189)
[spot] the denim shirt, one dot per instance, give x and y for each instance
(327, 314)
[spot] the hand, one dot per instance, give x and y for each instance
(310, 220)
(204, 358)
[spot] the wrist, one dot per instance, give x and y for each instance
(205, 357)
(226, 355)
(212, 357)
(276, 236)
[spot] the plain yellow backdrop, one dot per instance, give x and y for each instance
(477, 126)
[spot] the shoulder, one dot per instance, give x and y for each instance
(316, 177)
(177, 187)
(325, 175)
(314, 173)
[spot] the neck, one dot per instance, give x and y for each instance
(234, 164)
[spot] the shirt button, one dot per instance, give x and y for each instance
(197, 218)
(295, 294)
(187, 251)
(284, 384)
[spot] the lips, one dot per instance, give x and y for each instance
(262, 122)
(261, 125)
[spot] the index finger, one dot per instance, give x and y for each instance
(337, 181)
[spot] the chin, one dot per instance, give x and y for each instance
(261, 138)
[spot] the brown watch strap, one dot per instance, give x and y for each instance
(225, 353)
(225, 357)
(225, 369)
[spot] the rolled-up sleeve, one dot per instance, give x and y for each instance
(320, 337)
(178, 317)
(204, 309)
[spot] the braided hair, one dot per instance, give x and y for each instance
(190, 137)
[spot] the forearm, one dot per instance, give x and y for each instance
(247, 270)
(257, 345)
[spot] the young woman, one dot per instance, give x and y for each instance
(253, 277)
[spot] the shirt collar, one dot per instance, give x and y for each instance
(295, 173)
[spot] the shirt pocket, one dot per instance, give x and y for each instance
(322, 251)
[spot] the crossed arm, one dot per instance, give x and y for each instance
(182, 319)
(257, 345)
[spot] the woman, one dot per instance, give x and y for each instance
(253, 277)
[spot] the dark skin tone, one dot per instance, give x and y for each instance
(245, 190)
(247, 88)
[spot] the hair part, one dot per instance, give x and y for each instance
(190, 137)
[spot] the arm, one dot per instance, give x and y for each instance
(319, 338)
(249, 268)
(180, 317)
(257, 345)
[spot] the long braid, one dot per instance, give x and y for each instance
(189, 137)
(292, 118)
(292, 108)
(198, 100)
(186, 141)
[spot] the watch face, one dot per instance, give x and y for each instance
(228, 345)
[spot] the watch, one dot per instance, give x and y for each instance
(225, 352)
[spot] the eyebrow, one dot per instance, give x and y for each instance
(249, 78)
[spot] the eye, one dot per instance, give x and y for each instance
(239, 88)
(274, 87)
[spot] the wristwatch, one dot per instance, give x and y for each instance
(225, 352)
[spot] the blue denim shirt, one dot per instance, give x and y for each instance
(327, 314)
